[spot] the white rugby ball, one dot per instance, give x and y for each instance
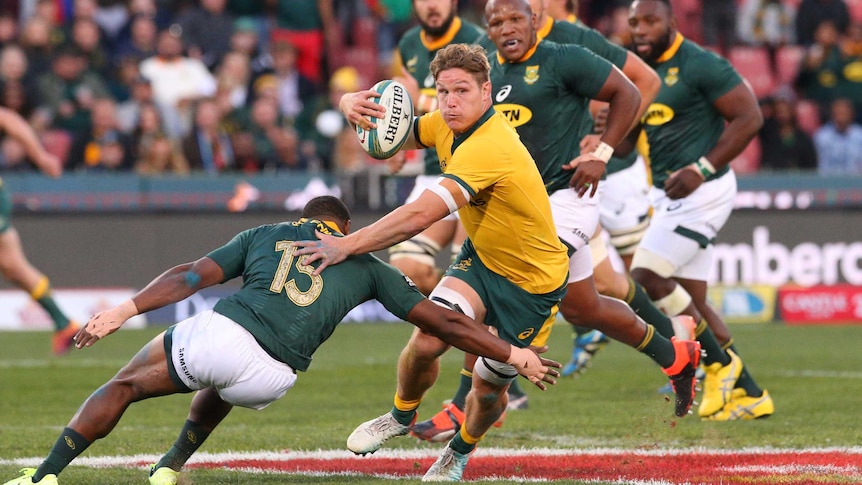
(394, 128)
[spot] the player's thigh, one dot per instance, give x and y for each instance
(211, 350)
(147, 372)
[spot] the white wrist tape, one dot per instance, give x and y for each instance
(705, 166)
(603, 152)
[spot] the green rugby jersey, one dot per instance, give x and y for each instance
(681, 124)
(417, 52)
(565, 32)
(288, 310)
(546, 96)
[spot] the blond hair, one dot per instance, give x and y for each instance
(469, 57)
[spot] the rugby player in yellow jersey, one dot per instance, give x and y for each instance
(512, 270)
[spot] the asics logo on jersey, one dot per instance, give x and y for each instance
(658, 114)
(526, 333)
(503, 93)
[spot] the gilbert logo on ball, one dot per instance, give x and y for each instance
(394, 128)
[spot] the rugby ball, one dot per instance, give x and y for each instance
(394, 128)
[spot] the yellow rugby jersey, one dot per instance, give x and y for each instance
(508, 217)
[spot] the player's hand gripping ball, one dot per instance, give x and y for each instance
(394, 128)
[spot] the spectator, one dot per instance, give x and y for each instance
(147, 125)
(103, 148)
(850, 81)
(36, 42)
(140, 43)
(206, 30)
(17, 84)
(246, 39)
(310, 26)
(128, 112)
(68, 91)
(208, 148)
(9, 31)
(839, 142)
(393, 19)
(821, 67)
(336, 143)
(177, 81)
(86, 35)
(15, 96)
(719, 24)
(273, 142)
(161, 155)
(296, 94)
(784, 145)
(233, 77)
(812, 13)
(769, 24)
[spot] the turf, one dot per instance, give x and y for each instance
(813, 373)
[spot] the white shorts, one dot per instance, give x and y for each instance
(683, 231)
(625, 198)
(211, 350)
(423, 182)
(576, 219)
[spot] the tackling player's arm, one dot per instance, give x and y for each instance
(435, 203)
(743, 116)
(175, 284)
(470, 336)
(18, 128)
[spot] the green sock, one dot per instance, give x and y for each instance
(658, 349)
(69, 445)
(191, 437)
(403, 417)
(708, 342)
(60, 320)
(745, 380)
(460, 446)
(641, 303)
(515, 389)
(464, 386)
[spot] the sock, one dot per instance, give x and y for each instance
(191, 437)
(464, 386)
(404, 411)
(745, 380)
(515, 389)
(464, 443)
(69, 445)
(658, 349)
(708, 342)
(643, 305)
(42, 295)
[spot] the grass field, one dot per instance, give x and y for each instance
(813, 373)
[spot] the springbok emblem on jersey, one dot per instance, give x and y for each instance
(531, 74)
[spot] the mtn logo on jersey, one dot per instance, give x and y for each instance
(515, 114)
(657, 114)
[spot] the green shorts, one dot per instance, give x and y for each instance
(521, 318)
(5, 208)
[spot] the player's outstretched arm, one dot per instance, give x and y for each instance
(175, 284)
(470, 336)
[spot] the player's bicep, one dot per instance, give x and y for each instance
(205, 272)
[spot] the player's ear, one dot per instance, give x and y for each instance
(346, 228)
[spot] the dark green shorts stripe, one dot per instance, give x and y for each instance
(697, 237)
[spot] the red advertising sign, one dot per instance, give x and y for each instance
(820, 304)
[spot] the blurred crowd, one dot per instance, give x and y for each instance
(180, 86)
(803, 59)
